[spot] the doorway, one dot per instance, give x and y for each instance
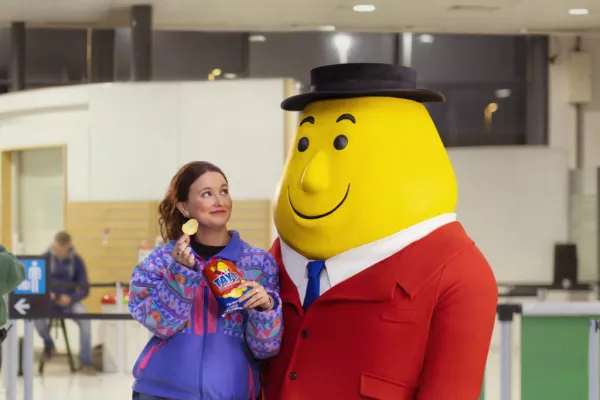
(33, 198)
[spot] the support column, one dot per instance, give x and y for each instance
(17, 56)
(141, 42)
(397, 48)
(537, 90)
(245, 72)
(101, 55)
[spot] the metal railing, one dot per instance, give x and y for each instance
(11, 344)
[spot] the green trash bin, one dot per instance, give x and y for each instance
(554, 349)
(482, 394)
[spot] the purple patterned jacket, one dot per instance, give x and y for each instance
(196, 353)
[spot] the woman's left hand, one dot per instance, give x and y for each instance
(256, 297)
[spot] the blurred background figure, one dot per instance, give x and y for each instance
(69, 286)
(12, 272)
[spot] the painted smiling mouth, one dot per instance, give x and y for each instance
(303, 216)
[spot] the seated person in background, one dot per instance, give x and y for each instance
(68, 285)
(196, 351)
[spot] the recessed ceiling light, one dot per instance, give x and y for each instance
(327, 28)
(579, 11)
(364, 8)
(342, 41)
(426, 38)
(503, 93)
(257, 38)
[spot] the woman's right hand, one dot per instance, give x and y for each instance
(182, 252)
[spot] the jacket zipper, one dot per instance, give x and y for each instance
(200, 376)
(146, 359)
(204, 333)
(251, 381)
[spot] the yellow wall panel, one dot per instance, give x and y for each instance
(108, 235)
(111, 257)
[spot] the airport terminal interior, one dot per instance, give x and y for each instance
(101, 102)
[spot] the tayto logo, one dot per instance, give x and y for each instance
(228, 279)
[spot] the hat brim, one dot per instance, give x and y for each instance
(300, 101)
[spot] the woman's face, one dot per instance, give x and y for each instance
(208, 201)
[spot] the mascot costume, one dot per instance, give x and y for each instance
(384, 294)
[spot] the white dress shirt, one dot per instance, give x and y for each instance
(349, 263)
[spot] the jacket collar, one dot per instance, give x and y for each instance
(353, 261)
(411, 269)
(69, 255)
(233, 251)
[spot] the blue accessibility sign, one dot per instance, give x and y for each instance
(35, 277)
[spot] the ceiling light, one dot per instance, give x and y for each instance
(503, 93)
(327, 28)
(426, 38)
(257, 38)
(364, 8)
(229, 75)
(578, 11)
(342, 42)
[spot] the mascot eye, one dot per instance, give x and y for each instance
(340, 142)
(303, 144)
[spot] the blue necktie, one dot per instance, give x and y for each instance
(314, 283)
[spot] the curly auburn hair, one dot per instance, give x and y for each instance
(170, 218)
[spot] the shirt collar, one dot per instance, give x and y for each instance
(232, 252)
(353, 261)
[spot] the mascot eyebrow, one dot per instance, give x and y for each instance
(310, 120)
(348, 117)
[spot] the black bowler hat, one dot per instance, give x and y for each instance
(341, 81)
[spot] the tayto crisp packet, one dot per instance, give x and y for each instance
(224, 280)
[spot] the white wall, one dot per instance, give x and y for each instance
(40, 184)
(583, 229)
(561, 114)
(513, 202)
(126, 140)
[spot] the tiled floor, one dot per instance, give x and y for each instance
(66, 386)
(59, 384)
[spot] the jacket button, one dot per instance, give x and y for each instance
(293, 376)
(304, 334)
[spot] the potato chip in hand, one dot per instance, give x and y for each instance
(190, 227)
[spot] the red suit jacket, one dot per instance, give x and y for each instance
(415, 326)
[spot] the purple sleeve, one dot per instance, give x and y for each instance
(161, 292)
(264, 328)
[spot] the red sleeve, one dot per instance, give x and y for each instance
(461, 330)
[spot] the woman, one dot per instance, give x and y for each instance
(195, 352)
